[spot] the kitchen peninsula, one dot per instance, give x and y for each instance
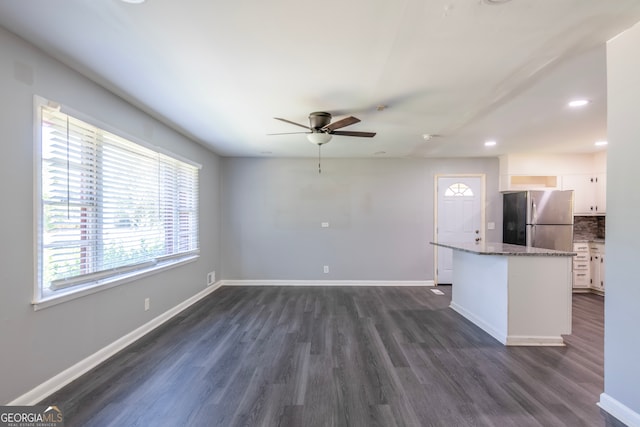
(519, 295)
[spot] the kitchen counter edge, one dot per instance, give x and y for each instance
(504, 249)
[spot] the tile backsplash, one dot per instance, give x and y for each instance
(588, 227)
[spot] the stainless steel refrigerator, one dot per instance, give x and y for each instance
(541, 219)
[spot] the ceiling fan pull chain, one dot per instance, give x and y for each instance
(319, 158)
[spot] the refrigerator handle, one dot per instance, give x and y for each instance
(532, 242)
(534, 212)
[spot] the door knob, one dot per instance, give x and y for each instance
(478, 239)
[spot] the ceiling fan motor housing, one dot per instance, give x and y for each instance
(319, 119)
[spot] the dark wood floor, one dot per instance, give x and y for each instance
(341, 356)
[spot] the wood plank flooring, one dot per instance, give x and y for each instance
(341, 356)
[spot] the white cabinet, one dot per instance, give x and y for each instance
(581, 268)
(589, 193)
(601, 193)
(597, 267)
(583, 192)
(588, 267)
(529, 182)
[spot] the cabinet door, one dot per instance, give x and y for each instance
(602, 264)
(597, 266)
(583, 193)
(595, 271)
(598, 249)
(601, 193)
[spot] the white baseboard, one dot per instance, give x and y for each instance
(65, 377)
(502, 338)
(510, 340)
(619, 410)
(327, 283)
(535, 340)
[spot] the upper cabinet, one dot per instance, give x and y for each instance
(529, 172)
(601, 193)
(532, 182)
(589, 193)
(585, 174)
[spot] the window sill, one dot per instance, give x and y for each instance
(70, 294)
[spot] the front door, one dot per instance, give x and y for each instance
(459, 217)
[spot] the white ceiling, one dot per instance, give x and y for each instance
(466, 70)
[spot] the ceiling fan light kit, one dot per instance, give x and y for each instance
(319, 138)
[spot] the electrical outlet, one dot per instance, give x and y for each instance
(147, 304)
(326, 269)
(211, 278)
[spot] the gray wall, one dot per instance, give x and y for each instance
(380, 213)
(622, 303)
(35, 346)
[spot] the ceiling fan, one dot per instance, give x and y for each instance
(320, 129)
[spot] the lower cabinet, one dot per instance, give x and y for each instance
(581, 268)
(588, 268)
(597, 267)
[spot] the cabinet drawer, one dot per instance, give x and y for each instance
(581, 265)
(581, 247)
(581, 257)
(596, 248)
(581, 280)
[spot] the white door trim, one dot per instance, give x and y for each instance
(483, 202)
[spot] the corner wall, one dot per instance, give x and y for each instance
(621, 395)
(35, 346)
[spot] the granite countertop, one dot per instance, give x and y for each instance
(494, 248)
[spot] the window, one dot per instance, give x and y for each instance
(458, 189)
(109, 208)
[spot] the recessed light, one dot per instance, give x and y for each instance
(426, 136)
(490, 143)
(601, 143)
(133, 1)
(578, 103)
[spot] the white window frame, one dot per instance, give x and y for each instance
(104, 280)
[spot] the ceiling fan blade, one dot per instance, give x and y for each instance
(288, 133)
(341, 123)
(353, 133)
(292, 123)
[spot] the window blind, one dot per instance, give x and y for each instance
(109, 206)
